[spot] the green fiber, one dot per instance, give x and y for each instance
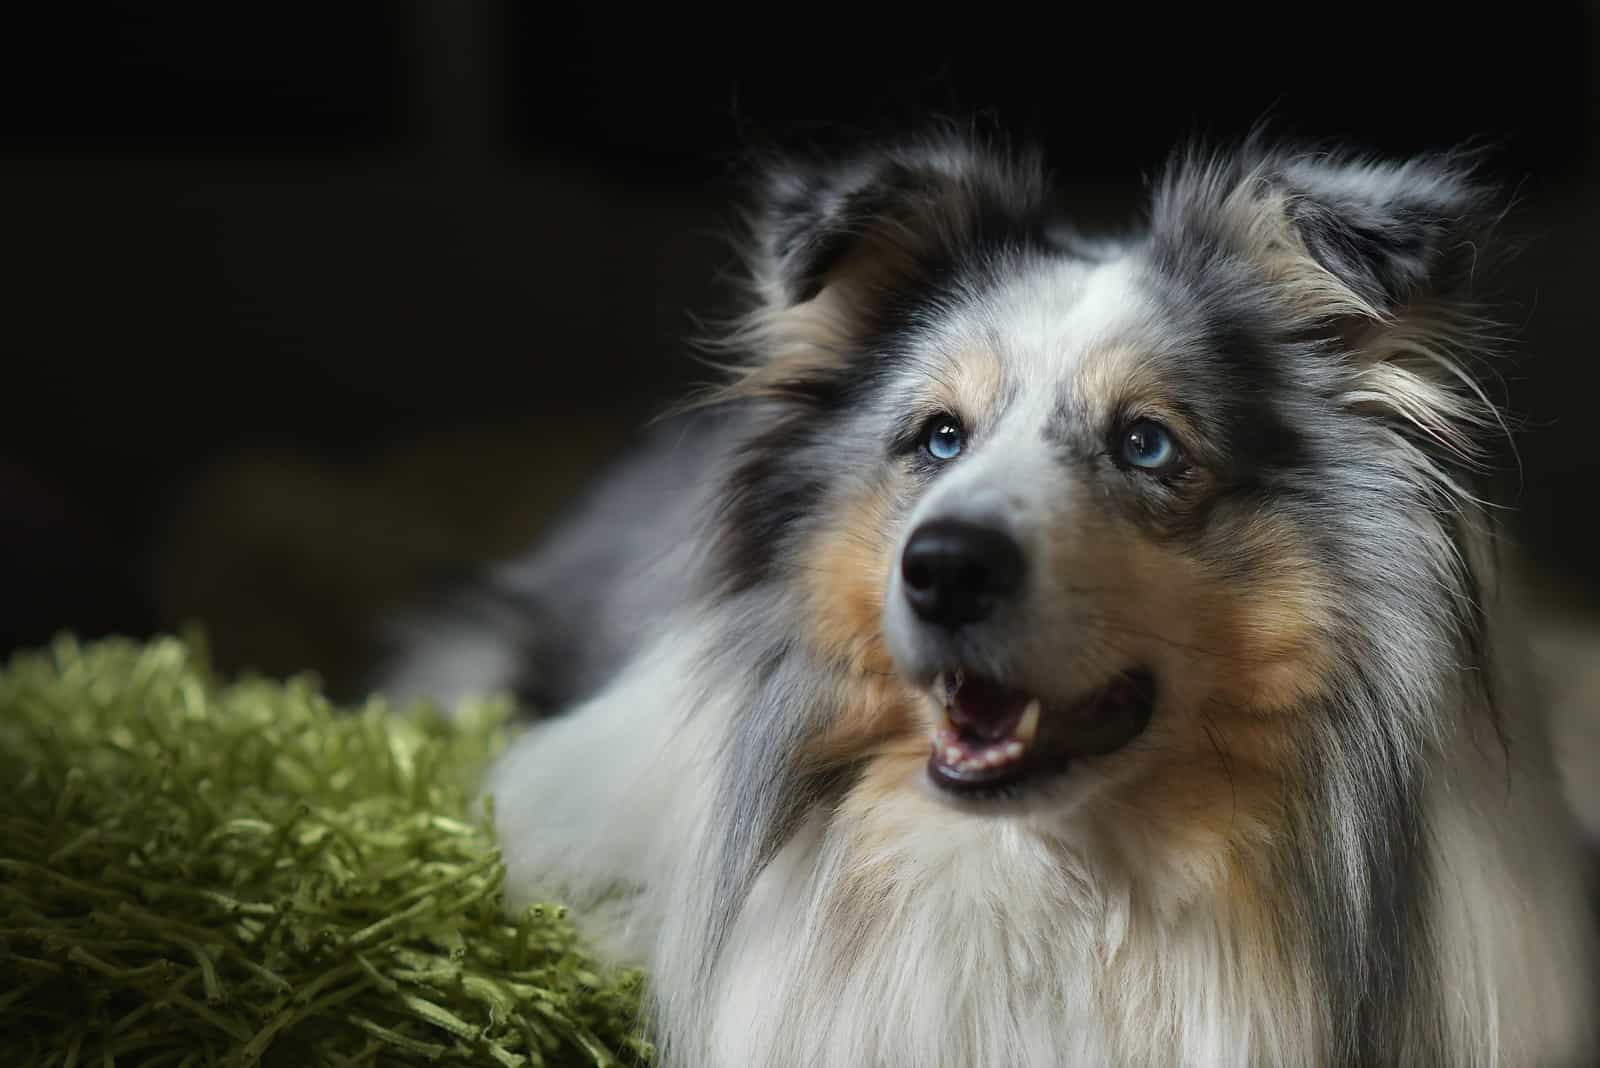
(195, 872)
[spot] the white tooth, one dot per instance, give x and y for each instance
(1013, 749)
(952, 754)
(1029, 725)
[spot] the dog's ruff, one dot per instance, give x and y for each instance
(1338, 840)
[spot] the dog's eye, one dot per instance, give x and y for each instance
(1148, 445)
(943, 438)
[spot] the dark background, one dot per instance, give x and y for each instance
(304, 306)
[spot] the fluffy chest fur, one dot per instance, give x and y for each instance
(978, 944)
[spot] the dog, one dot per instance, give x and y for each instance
(1045, 649)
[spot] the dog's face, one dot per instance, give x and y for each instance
(1087, 544)
(1085, 519)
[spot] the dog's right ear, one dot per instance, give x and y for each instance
(839, 246)
(893, 214)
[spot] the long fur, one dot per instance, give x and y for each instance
(1340, 841)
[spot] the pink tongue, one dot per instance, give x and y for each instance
(985, 710)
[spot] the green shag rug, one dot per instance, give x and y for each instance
(200, 872)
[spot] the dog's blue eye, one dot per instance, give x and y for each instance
(1148, 445)
(944, 439)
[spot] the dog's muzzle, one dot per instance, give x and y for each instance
(996, 733)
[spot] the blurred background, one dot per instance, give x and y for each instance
(308, 306)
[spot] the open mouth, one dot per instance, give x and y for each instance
(993, 736)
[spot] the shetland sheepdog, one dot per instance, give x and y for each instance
(1044, 649)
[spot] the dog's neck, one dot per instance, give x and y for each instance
(987, 943)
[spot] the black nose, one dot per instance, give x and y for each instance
(955, 572)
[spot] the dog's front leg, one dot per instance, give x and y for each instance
(597, 807)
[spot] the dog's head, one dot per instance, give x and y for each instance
(1158, 520)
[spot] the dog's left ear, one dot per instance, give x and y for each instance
(1391, 233)
(1376, 258)
(1339, 238)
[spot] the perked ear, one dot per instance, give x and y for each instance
(1340, 236)
(862, 231)
(837, 247)
(1375, 257)
(1389, 232)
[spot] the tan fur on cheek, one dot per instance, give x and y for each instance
(876, 715)
(1275, 620)
(846, 574)
(1241, 736)
(1237, 659)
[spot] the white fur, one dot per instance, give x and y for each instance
(598, 807)
(447, 663)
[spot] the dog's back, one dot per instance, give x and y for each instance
(552, 626)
